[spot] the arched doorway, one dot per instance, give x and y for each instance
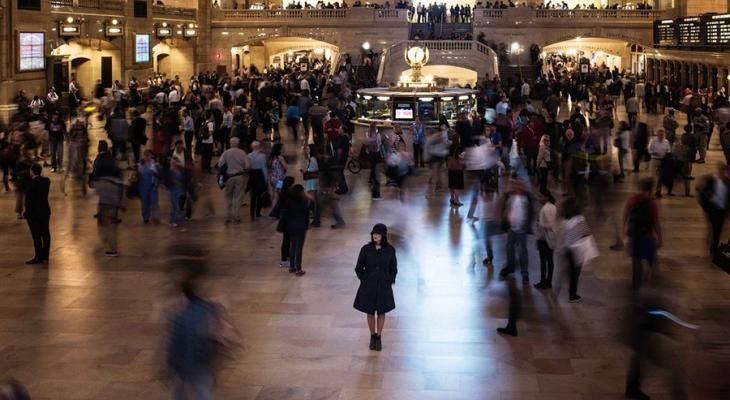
(598, 52)
(173, 58)
(90, 61)
(284, 51)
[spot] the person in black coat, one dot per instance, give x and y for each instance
(295, 222)
(38, 214)
(376, 269)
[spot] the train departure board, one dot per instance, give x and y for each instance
(690, 31)
(717, 30)
(665, 32)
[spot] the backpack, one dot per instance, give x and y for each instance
(641, 222)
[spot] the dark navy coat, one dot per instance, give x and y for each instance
(376, 270)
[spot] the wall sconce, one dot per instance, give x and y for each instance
(113, 29)
(69, 28)
(190, 31)
(163, 31)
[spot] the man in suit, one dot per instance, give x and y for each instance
(38, 214)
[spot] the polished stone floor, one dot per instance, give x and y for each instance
(89, 327)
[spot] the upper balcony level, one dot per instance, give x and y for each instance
(482, 17)
(342, 17)
(117, 8)
(553, 18)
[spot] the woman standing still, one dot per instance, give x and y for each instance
(376, 269)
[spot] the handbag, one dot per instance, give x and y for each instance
(584, 250)
(721, 258)
(309, 175)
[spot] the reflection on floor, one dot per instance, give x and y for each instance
(88, 327)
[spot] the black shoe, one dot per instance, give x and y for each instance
(111, 253)
(540, 285)
(34, 261)
(373, 339)
(507, 331)
(487, 261)
(525, 279)
(636, 394)
(378, 343)
(506, 271)
(576, 299)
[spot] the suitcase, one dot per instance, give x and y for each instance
(721, 258)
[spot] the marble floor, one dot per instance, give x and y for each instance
(89, 327)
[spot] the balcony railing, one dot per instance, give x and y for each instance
(453, 45)
(539, 16)
(643, 15)
(343, 16)
(162, 11)
(83, 5)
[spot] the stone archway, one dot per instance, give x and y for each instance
(89, 61)
(263, 52)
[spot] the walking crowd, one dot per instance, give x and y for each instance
(525, 172)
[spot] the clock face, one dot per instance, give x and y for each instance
(416, 54)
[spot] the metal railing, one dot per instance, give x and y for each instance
(520, 14)
(647, 15)
(106, 5)
(173, 11)
(286, 14)
(361, 14)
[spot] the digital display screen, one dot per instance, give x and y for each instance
(665, 33)
(142, 48)
(403, 111)
(690, 30)
(717, 30)
(31, 51)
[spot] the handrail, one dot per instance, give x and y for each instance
(179, 11)
(289, 14)
(649, 15)
(111, 5)
(545, 15)
(362, 14)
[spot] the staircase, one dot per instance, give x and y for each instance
(440, 31)
(514, 72)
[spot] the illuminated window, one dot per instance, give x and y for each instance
(31, 51)
(142, 48)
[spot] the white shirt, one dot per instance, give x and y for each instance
(659, 148)
(304, 84)
(228, 119)
(525, 89)
(174, 96)
(546, 223)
